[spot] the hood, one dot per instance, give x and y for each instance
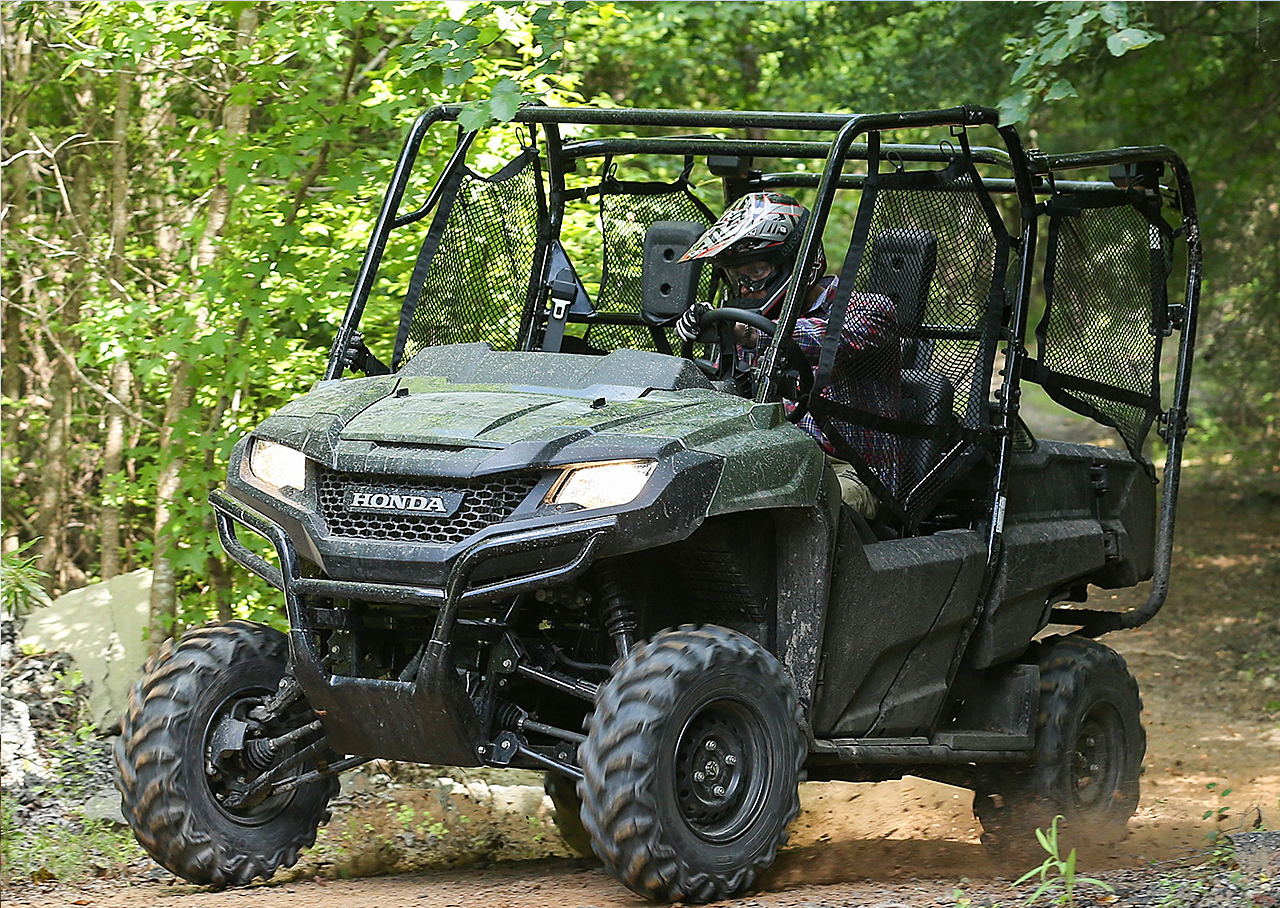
(494, 424)
(474, 417)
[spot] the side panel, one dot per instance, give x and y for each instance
(898, 611)
(1078, 514)
(763, 573)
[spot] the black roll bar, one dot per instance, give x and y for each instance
(757, 148)
(378, 240)
(1095, 622)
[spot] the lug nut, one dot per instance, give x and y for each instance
(718, 791)
(711, 745)
(730, 760)
(699, 776)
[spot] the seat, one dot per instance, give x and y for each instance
(902, 265)
(927, 400)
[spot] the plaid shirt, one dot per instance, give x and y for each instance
(866, 375)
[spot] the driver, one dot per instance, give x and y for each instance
(755, 243)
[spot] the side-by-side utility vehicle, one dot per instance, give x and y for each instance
(550, 535)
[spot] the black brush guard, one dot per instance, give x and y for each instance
(430, 719)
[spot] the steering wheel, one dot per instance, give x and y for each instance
(797, 365)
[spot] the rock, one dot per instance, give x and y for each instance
(102, 627)
(19, 760)
(1257, 852)
(104, 807)
(8, 638)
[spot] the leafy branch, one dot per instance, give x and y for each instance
(1068, 34)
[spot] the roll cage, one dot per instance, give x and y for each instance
(948, 231)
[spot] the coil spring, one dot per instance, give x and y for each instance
(617, 615)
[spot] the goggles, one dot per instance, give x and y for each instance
(753, 276)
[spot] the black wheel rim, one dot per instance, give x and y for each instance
(722, 770)
(1097, 759)
(225, 778)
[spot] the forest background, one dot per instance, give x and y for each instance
(188, 188)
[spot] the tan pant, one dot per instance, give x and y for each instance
(853, 491)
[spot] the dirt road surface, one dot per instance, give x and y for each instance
(1209, 671)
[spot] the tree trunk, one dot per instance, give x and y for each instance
(164, 582)
(112, 470)
(53, 515)
(18, 174)
(235, 125)
(121, 374)
(235, 122)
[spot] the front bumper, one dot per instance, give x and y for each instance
(430, 719)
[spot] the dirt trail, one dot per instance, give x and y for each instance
(1211, 717)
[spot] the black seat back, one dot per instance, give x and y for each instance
(927, 400)
(902, 265)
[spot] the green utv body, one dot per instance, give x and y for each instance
(553, 537)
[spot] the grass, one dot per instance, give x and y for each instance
(69, 852)
(1058, 878)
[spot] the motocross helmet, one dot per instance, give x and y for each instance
(758, 227)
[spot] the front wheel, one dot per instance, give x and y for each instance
(563, 793)
(191, 749)
(691, 765)
(1088, 754)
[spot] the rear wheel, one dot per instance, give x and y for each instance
(190, 750)
(1088, 755)
(691, 765)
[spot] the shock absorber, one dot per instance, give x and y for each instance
(617, 615)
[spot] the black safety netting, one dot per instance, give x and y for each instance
(1106, 312)
(904, 385)
(472, 277)
(626, 212)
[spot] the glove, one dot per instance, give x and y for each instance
(688, 326)
(357, 357)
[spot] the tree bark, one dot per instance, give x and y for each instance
(63, 312)
(164, 581)
(235, 124)
(17, 69)
(121, 374)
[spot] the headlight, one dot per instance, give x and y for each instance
(278, 465)
(602, 485)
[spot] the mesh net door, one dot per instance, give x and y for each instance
(1106, 312)
(471, 281)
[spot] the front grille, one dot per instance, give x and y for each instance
(484, 502)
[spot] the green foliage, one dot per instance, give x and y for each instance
(246, 298)
(21, 582)
(1058, 878)
(1219, 813)
(1069, 32)
(66, 852)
